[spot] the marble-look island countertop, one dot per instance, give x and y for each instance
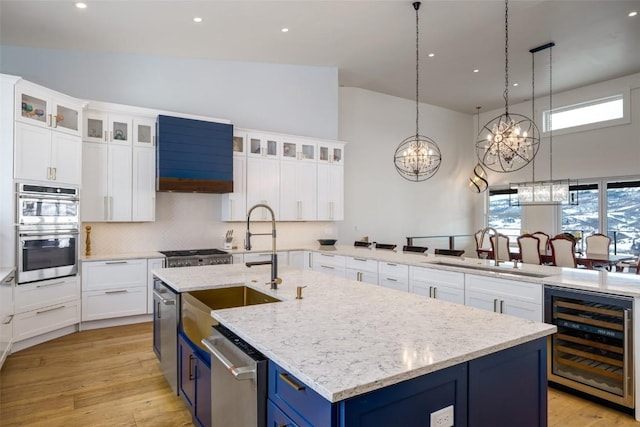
(345, 338)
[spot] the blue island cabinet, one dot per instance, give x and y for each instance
(507, 388)
(194, 380)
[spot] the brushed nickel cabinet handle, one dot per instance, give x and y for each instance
(50, 309)
(290, 382)
(501, 306)
(328, 266)
(391, 279)
(50, 284)
(9, 319)
(116, 262)
(121, 291)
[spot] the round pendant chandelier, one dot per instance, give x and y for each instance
(418, 157)
(510, 141)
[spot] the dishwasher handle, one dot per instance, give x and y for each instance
(239, 373)
(165, 301)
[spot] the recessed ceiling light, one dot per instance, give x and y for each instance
(515, 84)
(285, 30)
(81, 5)
(632, 14)
(197, 19)
(431, 55)
(476, 71)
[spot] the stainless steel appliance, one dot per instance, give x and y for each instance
(165, 330)
(47, 232)
(593, 349)
(39, 205)
(238, 380)
(193, 257)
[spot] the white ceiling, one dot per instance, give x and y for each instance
(372, 43)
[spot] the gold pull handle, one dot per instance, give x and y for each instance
(299, 292)
(292, 384)
(191, 376)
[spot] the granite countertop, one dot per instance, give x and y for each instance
(125, 255)
(345, 338)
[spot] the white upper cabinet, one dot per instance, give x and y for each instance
(144, 132)
(330, 192)
(45, 108)
(143, 197)
(234, 205)
(106, 127)
(263, 145)
(297, 190)
(300, 150)
(330, 152)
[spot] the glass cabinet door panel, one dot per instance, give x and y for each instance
(324, 154)
(272, 148)
(255, 146)
(120, 131)
(308, 152)
(34, 108)
(67, 118)
(337, 155)
(238, 144)
(289, 150)
(95, 128)
(144, 134)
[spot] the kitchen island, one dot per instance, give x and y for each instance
(362, 346)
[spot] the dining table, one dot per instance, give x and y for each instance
(588, 260)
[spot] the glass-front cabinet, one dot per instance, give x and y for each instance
(45, 108)
(144, 132)
(293, 149)
(101, 127)
(262, 145)
(330, 153)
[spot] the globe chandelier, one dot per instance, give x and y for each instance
(418, 157)
(510, 141)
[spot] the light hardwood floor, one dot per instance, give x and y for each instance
(110, 377)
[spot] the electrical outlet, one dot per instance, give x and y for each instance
(442, 417)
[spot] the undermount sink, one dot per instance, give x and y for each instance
(197, 306)
(502, 270)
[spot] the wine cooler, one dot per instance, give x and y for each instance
(593, 350)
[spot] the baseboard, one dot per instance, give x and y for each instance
(118, 321)
(39, 339)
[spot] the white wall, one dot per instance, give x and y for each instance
(379, 203)
(298, 100)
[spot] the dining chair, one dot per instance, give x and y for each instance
(481, 243)
(502, 245)
(598, 243)
(529, 249)
(544, 241)
(563, 251)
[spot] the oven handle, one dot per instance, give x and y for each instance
(53, 198)
(241, 373)
(57, 233)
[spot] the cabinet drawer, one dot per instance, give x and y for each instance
(362, 264)
(530, 292)
(32, 296)
(303, 405)
(115, 274)
(328, 260)
(329, 269)
(394, 283)
(46, 319)
(362, 276)
(265, 256)
(106, 304)
(452, 279)
(391, 269)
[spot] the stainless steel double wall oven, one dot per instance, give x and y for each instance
(47, 232)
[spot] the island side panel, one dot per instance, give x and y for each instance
(509, 388)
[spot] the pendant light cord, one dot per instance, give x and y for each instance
(506, 57)
(416, 6)
(550, 114)
(533, 107)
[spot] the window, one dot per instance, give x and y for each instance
(583, 219)
(623, 217)
(504, 218)
(586, 115)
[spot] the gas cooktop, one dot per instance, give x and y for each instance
(193, 257)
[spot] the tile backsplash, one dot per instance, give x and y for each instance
(192, 221)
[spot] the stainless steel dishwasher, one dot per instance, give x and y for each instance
(238, 380)
(165, 330)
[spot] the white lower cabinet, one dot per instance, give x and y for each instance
(438, 284)
(362, 270)
(329, 263)
(520, 299)
(300, 260)
(394, 276)
(266, 256)
(114, 288)
(45, 306)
